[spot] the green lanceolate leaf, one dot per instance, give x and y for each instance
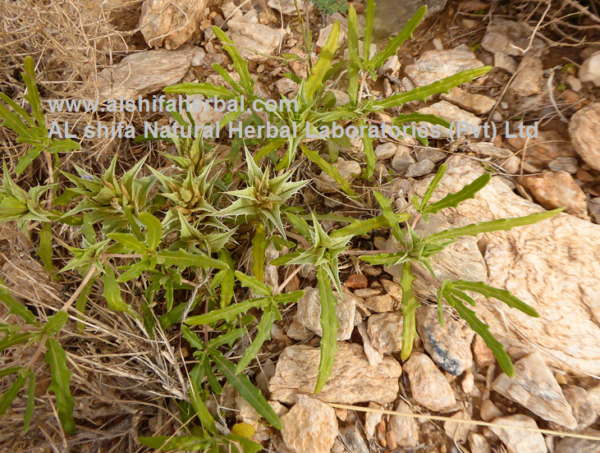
(224, 314)
(259, 245)
(153, 230)
(16, 308)
(313, 156)
(45, 252)
(61, 379)
(192, 338)
(394, 44)
(362, 227)
(452, 200)
(30, 401)
(14, 339)
(129, 241)
(417, 117)
(330, 326)
(368, 150)
(497, 293)
(9, 396)
(239, 64)
(483, 330)
(112, 294)
(388, 213)
(435, 182)
(370, 22)
(323, 64)
(178, 443)
(300, 225)
(201, 410)
(55, 323)
(354, 59)
(263, 333)
(441, 86)
(254, 284)
(228, 282)
(489, 227)
(409, 307)
(207, 89)
(245, 388)
(183, 259)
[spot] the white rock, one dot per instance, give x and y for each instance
(590, 69)
(142, 73)
(170, 22)
(468, 383)
(489, 411)
(489, 149)
(449, 345)
(402, 159)
(583, 129)
(375, 357)
(254, 39)
(479, 444)
(420, 168)
(476, 103)
(458, 431)
(352, 380)
(506, 62)
(509, 37)
(309, 312)
(529, 78)
(286, 86)
(392, 289)
(287, 7)
(574, 83)
(372, 419)
(405, 429)
(583, 408)
(353, 440)
(428, 385)
(570, 445)
(385, 151)
(324, 36)
(385, 332)
(310, 426)
(519, 441)
(380, 304)
(198, 56)
(392, 65)
(564, 249)
(435, 65)
(341, 98)
(534, 387)
(450, 113)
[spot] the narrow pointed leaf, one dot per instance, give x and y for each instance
(153, 230)
(13, 391)
(263, 333)
(354, 59)
(313, 156)
(259, 245)
(183, 259)
(201, 410)
(254, 284)
(61, 379)
(245, 388)
(370, 22)
(112, 294)
(224, 314)
(16, 308)
(435, 182)
(323, 64)
(409, 307)
(330, 326)
(453, 199)
(501, 294)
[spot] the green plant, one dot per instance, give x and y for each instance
(328, 7)
(179, 234)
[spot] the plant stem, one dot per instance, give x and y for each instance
(50, 178)
(37, 354)
(82, 285)
(287, 280)
(426, 275)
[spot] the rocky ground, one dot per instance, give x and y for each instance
(547, 71)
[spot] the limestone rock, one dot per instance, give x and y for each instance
(385, 332)
(286, 7)
(479, 444)
(428, 385)
(568, 164)
(458, 431)
(579, 445)
(309, 426)
(489, 149)
(385, 151)
(519, 441)
(590, 69)
(529, 78)
(253, 38)
(324, 36)
(392, 65)
(510, 38)
(543, 149)
(534, 387)
(170, 22)
(484, 356)
(557, 189)
(449, 345)
(583, 129)
(391, 15)
(392, 289)
(402, 160)
(552, 265)
(353, 440)
(375, 357)
(143, 73)
(506, 62)
(372, 419)
(420, 168)
(286, 86)
(489, 411)
(476, 103)
(309, 312)
(380, 304)
(405, 429)
(583, 408)
(450, 113)
(352, 380)
(435, 65)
